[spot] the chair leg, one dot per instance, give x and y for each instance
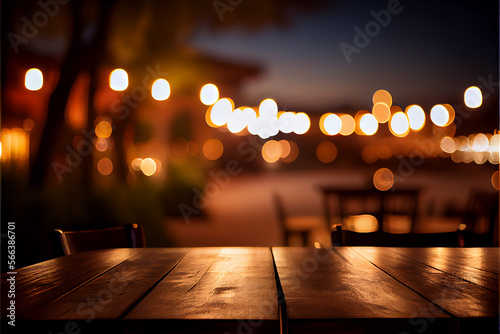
(304, 235)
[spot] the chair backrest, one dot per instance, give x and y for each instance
(70, 242)
(360, 202)
(380, 204)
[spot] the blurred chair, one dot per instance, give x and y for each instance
(392, 211)
(370, 217)
(480, 221)
(304, 226)
(70, 242)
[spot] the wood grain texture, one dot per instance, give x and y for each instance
(215, 287)
(454, 294)
(476, 265)
(112, 294)
(337, 290)
(41, 283)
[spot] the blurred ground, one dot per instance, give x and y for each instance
(243, 213)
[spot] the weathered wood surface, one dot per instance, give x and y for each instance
(237, 290)
(214, 288)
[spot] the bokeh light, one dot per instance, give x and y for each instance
(213, 149)
(103, 129)
(294, 152)
(381, 111)
(105, 166)
(332, 124)
(160, 90)
(136, 164)
(326, 152)
(209, 94)
(240, 118)
(148, 166)
(101, 144)
(33, 79)
(473, 97)
(361, 223)
(369, 154)
(268, 108)
(495, 180)
(399, 124)
(221, 111)
(28, 124)
(383, 179)
(384, 152)
(416, 117)
(285, 121)
(285, 148)
(480, 143)
(368, 124)
(271, 151)
(442, 115)
(382, 96)
(301, 123)
(495, 140)
(118, 80)
(348, 125)
(448, 145)
(480, 157)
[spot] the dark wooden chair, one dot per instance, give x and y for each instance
(481, 219)
(70, 242)
(396, 208)
(301, 225)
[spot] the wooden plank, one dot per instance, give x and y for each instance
(337, 290)
(100, 304)
(113, 293)
(457, 296)
(213, 290)
(470, 264)
(41, 283)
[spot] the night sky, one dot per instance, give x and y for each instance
(428, 53)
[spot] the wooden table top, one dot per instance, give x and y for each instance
(259, 290)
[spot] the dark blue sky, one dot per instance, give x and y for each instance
(429, 53)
